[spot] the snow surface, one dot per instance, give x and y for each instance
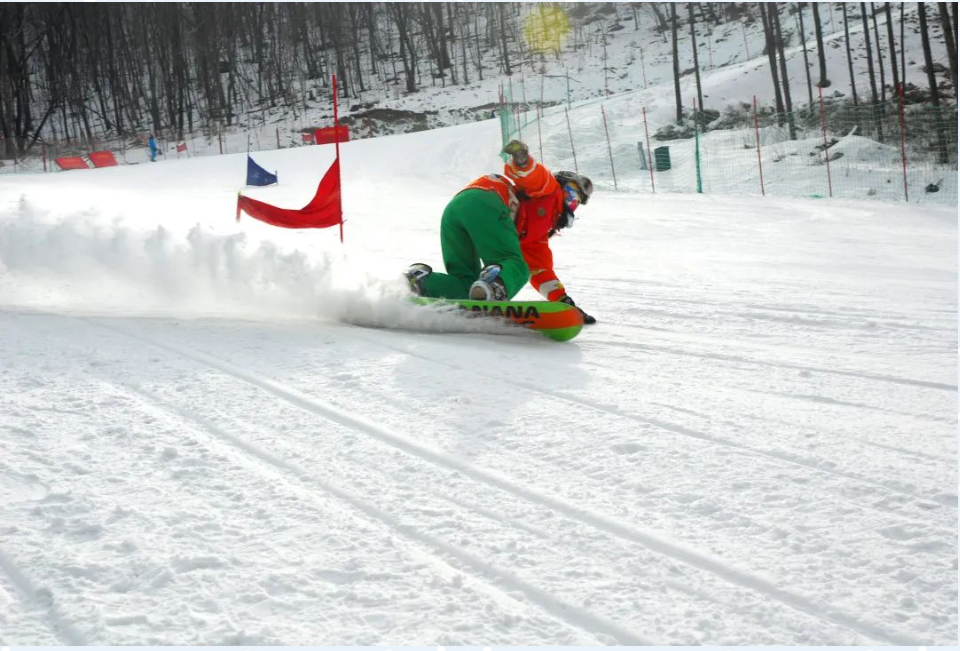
(208, 436)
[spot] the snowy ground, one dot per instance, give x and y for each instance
(203, 441)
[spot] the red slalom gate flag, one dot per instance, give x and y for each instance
(323, 211)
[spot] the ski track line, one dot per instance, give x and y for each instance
(281, 470)
(892, 448)
(675, 428)
(653, 542)
(862, 375)
(62, 630)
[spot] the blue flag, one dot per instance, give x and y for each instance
(256, 175)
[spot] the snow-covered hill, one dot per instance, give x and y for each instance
(205, 441)
(634, 87)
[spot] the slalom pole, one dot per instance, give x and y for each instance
(336, 144)
(646, 129)
(756, 129)
(826, 156)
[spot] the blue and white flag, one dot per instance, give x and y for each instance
(256, 175)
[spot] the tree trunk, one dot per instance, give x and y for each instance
(774, 14)
(866, 38)
(821, 55)
(949, 40)
(876, 39)
(846, 33)
(676, 61)
(772, 58)
(932, 81)
(806, 61)
(893, 47)
(903, 48)
(505, 52)
(696, 62)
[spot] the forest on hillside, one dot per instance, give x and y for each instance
(85, 70)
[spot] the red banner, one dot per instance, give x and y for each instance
(181, 147)
(102, 158)
(72, 163)
(330, 135)
(323, 211)
(307, 137)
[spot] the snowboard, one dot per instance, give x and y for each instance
(558, 321)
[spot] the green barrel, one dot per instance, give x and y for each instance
(661, 158)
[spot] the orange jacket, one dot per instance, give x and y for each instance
(536, 217)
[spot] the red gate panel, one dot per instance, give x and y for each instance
(102, 158)
(329, 135)
(72, 163)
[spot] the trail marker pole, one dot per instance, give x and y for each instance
(609, 149)
(572, 148)
(646, 129)
(756, 129)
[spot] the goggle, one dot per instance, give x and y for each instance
(572, 193)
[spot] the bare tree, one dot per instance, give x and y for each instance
(949, 39)
(676, 61)
(772, 57)
(774, 15)
(932, 81)
(402, 19)
(806, 61)
(696, 62)
(821, 55)
(876, 39)
(846, 34)
(893, 47)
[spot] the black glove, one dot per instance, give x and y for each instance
(587, 319)
(565, 219)
(518, 151)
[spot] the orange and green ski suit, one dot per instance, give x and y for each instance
(478, 226)
(536, 218)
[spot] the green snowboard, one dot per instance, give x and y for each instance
(558, 321)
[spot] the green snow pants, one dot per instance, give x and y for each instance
(476, 228)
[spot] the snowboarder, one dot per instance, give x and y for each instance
(505, 221)
(152, 143)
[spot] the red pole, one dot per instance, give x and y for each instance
(609, 150)
(44, 146)
(646, 129)
(826, 156)
(336, 144)
(903, 146)
(756, 128)
(539, 135)
(573, 149)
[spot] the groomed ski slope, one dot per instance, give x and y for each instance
(205, 440)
